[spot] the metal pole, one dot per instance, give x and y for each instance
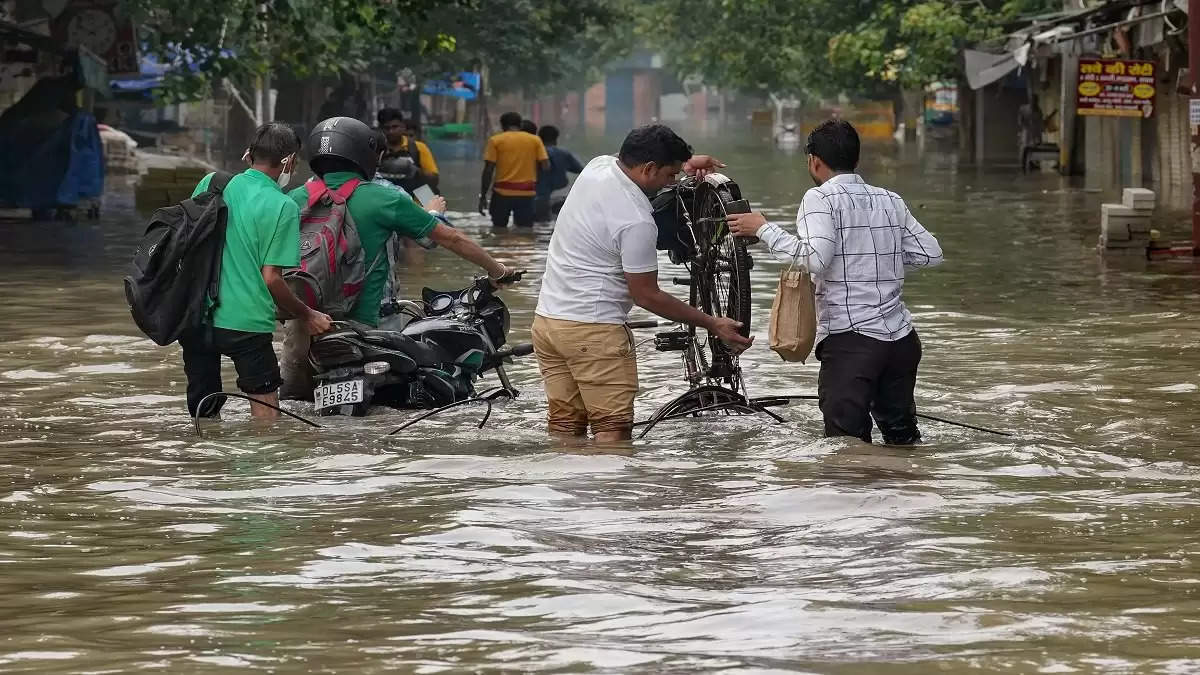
(979, 95)
(1194, 72)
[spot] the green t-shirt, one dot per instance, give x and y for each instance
(263, 229)
(377, 211)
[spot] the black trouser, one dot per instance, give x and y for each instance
(541, 209)
(861, 378)
(520, 208)
(253, 357)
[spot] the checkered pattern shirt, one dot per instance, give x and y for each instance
(855, 240)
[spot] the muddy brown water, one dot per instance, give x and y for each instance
(127, 544)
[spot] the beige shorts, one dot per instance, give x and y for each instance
(590, 374)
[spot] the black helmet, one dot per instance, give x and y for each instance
(347, 139)
(397, 167)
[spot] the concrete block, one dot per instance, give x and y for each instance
(1121, 210)
(1139, 198)
(1115, 232)
(1133, 244)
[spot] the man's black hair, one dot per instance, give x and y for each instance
(388, 114)
(272, 142)
(510, 120)
(654, 143)
(836, 143)
(529, 127)
(548, 134)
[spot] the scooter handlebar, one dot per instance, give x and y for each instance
(649, 323)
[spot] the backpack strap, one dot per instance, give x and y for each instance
(343, 193)
(316, 189)
(219, 182)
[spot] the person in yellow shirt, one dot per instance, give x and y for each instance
(402, 142)
(512, 158)
(425, 161)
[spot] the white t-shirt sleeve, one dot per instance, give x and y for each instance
(636, 244)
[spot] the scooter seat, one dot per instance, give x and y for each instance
(423, 354)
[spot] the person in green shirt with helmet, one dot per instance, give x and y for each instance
(343, 149)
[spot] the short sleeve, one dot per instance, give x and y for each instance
(202, 186)
(284, 248)
(541, 150)
(636, 245)
(489, 152)
(401, 214)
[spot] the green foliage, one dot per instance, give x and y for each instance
(817, 47)
(521, 41)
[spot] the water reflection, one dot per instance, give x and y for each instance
(732, 544)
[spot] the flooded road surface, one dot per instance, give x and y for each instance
(126, 544)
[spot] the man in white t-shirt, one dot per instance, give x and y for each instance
(602, 261)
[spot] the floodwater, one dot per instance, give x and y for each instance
(730, 544)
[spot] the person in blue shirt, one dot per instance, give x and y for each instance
(554, 178)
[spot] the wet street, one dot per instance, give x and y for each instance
(127, 544)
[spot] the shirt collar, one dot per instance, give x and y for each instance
(845, 178)
(259, 176)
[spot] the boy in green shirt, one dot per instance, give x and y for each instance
(262, 237)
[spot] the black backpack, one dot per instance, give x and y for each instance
(172, 286)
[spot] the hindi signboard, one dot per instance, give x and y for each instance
(1116, 88)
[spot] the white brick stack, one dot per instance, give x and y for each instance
(1127, 225)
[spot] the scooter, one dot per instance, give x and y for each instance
(424, 355)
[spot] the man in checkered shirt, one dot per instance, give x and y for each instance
(856, 239)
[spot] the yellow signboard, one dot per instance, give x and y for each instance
(1115, 88)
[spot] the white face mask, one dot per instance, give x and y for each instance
(286, 176)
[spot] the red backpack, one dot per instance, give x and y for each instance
(332, 261)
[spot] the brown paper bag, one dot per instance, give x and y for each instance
(793, 328)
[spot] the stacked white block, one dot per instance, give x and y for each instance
(1127, 225)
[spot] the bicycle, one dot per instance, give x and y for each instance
(691, 218)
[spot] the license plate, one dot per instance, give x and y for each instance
(338, 393)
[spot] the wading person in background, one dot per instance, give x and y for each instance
(856, 240)
(345, 150)
(262, 237)
(401, 143)
(425, 160)
(513, 158)
(602, 260)
(562, 162)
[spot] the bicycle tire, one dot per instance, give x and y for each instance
(721, 276)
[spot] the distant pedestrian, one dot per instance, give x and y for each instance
(856, 239)
(401, 142)
(262, 238)
(512, 158)
(562, 162)
(529, 127)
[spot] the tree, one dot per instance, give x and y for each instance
(817, 47)
(243, 38)
(526, 44)
(522, 41)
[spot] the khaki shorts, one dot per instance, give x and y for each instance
(590, 374)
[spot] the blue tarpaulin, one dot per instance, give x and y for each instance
(153, 71)
(59, 168)
(462, 85)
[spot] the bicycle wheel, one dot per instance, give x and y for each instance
(721, 274)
